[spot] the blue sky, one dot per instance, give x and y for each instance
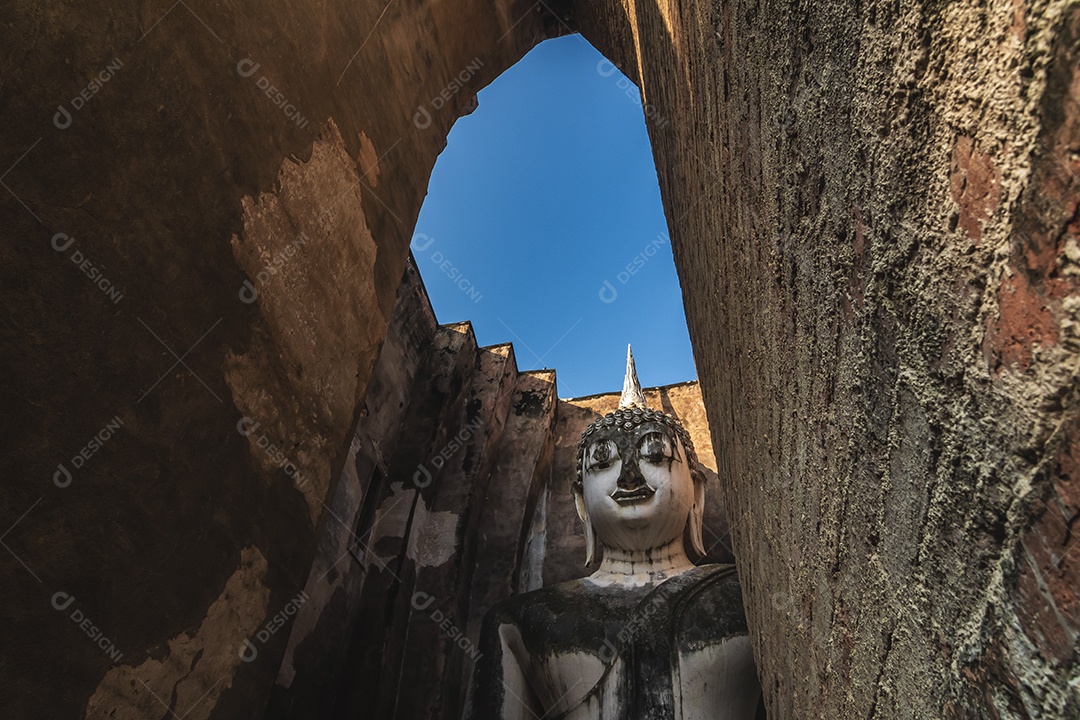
(542, 199)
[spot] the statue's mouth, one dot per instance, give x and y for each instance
(632, 495)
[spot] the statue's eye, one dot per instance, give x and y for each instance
(601, 455)
(655, 447)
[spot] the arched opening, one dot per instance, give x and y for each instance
(543, 225)
(456, 486)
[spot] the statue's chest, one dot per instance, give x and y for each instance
(715, 681)
(621, 621)
(611, 655)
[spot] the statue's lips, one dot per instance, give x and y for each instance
(634, 495)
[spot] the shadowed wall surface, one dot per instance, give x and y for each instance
(874, 217)
(873, 211)
(206, 210)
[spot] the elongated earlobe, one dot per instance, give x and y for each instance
(590, 544)
(697, 518)
(590, 537)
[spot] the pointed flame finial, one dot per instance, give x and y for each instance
(631, 389)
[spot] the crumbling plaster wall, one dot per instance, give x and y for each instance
(874, 212)
(206, 210)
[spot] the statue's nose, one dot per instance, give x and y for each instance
(630, 476)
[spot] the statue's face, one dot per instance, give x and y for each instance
(637, 486)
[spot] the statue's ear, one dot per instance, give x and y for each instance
(583, 513)
(579, 502)
(697, 513)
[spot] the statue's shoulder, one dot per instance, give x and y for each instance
(724, 577)
(567, 617)
(543, 602)
(717, 610)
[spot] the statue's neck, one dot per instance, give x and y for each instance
(642, 567)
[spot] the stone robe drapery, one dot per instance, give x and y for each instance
(674, 651)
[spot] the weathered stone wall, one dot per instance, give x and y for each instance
(874, 211)
(207, 209)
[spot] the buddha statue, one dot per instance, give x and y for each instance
(649, 635)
